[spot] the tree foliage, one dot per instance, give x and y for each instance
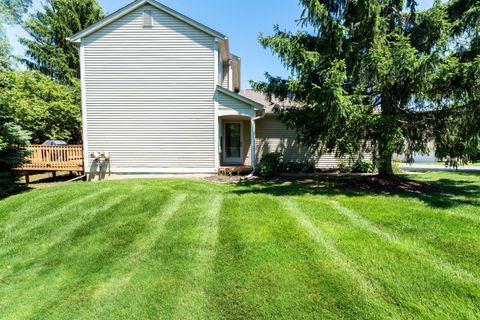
(12, 139)
(5, 52)
(12, 136)
(48, 49)
(379, 76)
(11, 12)
(44, 107)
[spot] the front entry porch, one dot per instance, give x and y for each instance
(235, 130)
(235, 147)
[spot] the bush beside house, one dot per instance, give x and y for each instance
(273, 163)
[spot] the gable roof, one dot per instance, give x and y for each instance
(254, 104)
(135, 5)
(262, 99)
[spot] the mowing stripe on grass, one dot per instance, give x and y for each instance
(317, 235)
(13, 237)
(20, 202)
(140, 249)
(33, 208)
(36, 269)
(62, 233)
(193, 302)
(408, 246)
(157, 224)
(57, 288)
(460, 213)
(55, 213)
(169, 259)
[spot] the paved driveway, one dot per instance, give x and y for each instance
(419, 166)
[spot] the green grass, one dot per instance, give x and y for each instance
(184, 249)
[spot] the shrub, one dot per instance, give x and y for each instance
(362, 166)
(397, 159)
(343, 167)
(359, 166)
(396, 162)
(270, 164)
(296, 167)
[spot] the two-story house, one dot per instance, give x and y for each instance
(161, 94)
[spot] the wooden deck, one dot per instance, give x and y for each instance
(54, 158)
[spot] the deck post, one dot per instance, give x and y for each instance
(27, 178)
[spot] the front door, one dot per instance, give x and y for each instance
(232, 153)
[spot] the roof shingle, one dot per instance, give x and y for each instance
(260, 98)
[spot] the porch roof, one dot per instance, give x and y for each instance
(255, 105)
(229, 103)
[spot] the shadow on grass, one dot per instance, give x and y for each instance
(48, 179)
(439, 193)
(10, 187)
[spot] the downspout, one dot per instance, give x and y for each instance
(254, 163)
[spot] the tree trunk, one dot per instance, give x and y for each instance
(385, 168)
(385, 154)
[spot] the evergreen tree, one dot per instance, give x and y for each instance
(379, 76)
(11, 12)
(48, 51)
(5, 52)
(11, 135)
(12, 138)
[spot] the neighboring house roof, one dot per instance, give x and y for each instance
(262, 99)
(135, 5)
(253, 103)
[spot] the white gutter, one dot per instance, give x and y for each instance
(254, 164)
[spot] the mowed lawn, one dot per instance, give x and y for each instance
(186, 249)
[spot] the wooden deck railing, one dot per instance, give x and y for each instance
(54, 158)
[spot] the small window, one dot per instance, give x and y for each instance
(147, 18)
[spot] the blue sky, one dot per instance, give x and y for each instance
(240, 21)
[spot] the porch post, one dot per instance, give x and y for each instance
(252, 144)
(219, 141)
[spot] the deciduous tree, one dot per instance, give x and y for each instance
(44, 107)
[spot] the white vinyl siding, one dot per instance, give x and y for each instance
(273, 136)
(149, 94)
(228, 106)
